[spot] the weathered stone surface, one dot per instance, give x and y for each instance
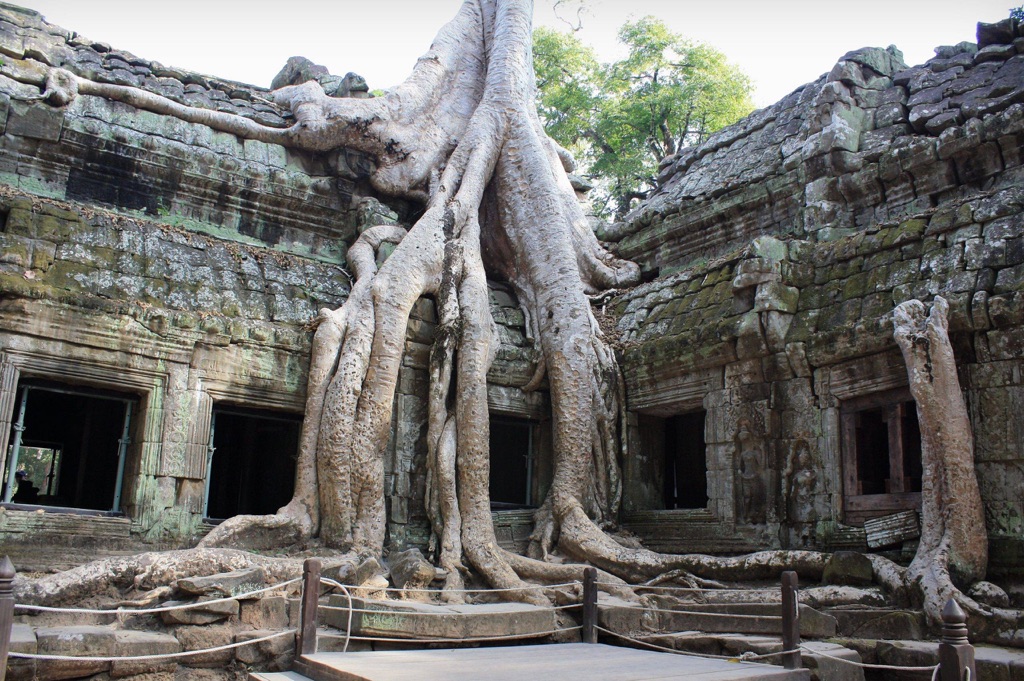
(205, 614)
(407, 619)
(410, 570)
(203, 638)
(989, 594)
(23, 640)
(269, 612)
(224, 584)
(83, 640)
(137, 643)
(878, 623)
(273, 655)
(848, 567)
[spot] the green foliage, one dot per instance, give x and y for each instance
(621, 119)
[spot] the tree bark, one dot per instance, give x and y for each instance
(953, 551)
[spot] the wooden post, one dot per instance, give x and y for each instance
(956, 654)
(6, 612)
(790, 621)
(589, 631)
(310, 596)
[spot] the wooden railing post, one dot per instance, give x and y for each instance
(310, 596)
(956, 654)
(6, 612)
(589, 631)
(790, 621)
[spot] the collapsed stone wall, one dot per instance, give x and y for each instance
(779, 249)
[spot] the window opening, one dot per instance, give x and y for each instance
(68, 447)
(512, 460)
(881, 455)
(250, 462)
(686, 463)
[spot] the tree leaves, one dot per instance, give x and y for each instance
(620, 119)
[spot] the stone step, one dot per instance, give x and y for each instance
(89, 640)
(819, 660)
(740, 618)
(879, 623)
(993, 663)
(112, 642)
(277, 676)
(412, 620)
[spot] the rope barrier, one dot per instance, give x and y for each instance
(161, 656)
(866, 665)
(553, 608)
(750, 656)
(536, 587)
(659, 587)
(697, 612)
(655, 646)
(348, 627)
(470, 639)
(144, 611)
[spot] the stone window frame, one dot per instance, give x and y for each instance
(843, 382)
(663, 398)
(142, 454)
(858, 506)
(214, 393)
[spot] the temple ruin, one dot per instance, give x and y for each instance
(158, 279)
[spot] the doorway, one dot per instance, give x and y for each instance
(68, 447)
(250, 462)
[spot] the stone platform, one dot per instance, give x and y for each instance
(566, 662)
(413, 620)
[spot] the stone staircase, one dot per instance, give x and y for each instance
(853, 632)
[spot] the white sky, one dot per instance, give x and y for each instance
(781, 44)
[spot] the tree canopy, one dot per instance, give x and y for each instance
(620, 119)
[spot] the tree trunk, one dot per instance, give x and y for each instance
(954, 545)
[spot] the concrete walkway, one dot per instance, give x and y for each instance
(564, 662)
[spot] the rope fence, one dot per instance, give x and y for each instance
(956, 655)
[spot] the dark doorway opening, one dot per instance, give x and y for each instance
(686, 463)
(251, 467)
(511, 443)
(68, 447)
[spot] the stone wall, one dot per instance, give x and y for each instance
(779, 249)
(159, 259)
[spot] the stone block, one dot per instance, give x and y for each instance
(980, 163)
(876, 623)
(82, 640)
(272, 654)
(203, 638)
(23, 640)
(203, 614)
(409, 619)
(135, 643)
(776, 296)
(35, 121)
(750, 340)
(267, 612)
(410, 570)
(224, 584)
(848, 568)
